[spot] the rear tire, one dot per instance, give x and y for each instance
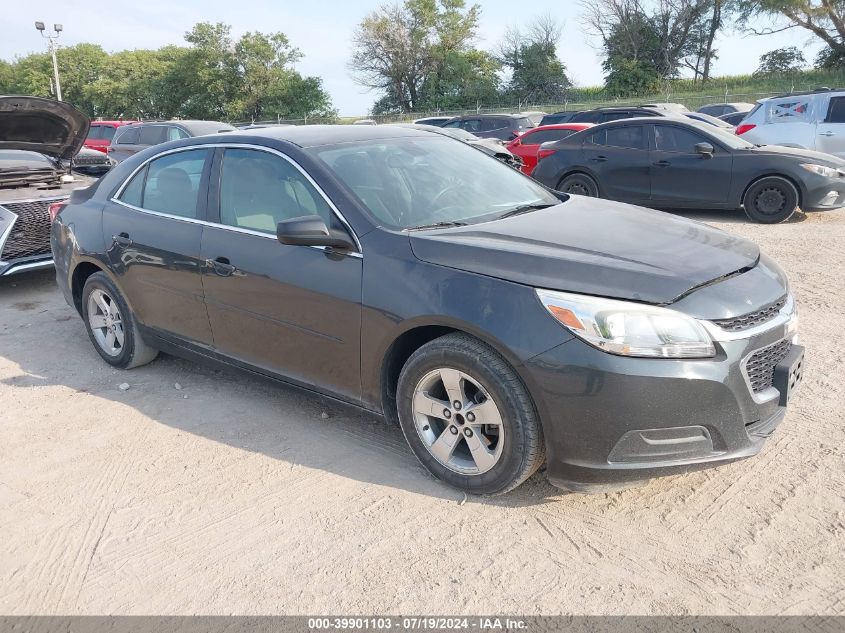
(770, 200)
(579, 185)
(111, 326)
(468, 417)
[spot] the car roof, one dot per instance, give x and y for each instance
(560, 126)
(315, 135)
(113, 123)
(817, 91)
(498, 114)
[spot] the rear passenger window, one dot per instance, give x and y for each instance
(614, 116)
(153, 135)
(490, 124)
(174, 134)
(128, 136)
(628, 137)
(258, 190)
(836, 111)
(471, 125)
(173, 181)
(544, 136)
(133, 192)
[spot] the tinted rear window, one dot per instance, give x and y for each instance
(836, 111)
(127, 136)
(544, 136)
(153, 135)
(629, 136)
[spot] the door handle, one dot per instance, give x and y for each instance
(599, 159)
(662, 163)
(122, 239)
(827, 133)
(221, 266)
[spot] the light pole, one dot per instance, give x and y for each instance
(52, 45)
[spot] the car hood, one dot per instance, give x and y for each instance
(594, 247)
(795, 152)
(42, 125)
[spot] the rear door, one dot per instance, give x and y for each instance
(680, 175)
(619, 157)
(294, 311)
(154, 227)
(830, 133)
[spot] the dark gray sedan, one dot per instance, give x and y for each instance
(502, 325)
(676, 163)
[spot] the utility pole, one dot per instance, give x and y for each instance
(52, 45)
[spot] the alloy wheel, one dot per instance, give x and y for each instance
(106, 322)
(458, 422)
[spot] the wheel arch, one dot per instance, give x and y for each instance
(80, 273)
(417, 334)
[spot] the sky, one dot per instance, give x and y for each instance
(322, 30)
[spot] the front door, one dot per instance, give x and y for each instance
(680, 175)
(830, 133)
(619, 157)
(154, 231)
(293, 311)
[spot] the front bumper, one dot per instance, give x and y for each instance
(614, 420)
(823, 193)
(25, 264)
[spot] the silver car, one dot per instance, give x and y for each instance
(808, 120)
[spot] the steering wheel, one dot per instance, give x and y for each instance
(449, 189)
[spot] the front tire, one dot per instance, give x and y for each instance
(111, 326)
(467, 416)
(770, 200)
(580, 185)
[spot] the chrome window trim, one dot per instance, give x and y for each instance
(260, 148)
(786, 318)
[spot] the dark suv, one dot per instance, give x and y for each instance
(131, 139)
(501, 126)
(605, 115)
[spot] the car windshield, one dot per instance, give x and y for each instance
(415, 182)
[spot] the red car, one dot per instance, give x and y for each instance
(526, 145)
(101, 133)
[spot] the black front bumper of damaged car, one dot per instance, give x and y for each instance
(614, 420)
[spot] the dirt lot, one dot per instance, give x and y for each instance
(235, 496)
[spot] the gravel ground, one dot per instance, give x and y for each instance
(235, 496)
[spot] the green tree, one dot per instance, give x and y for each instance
(397, 47)
(781, 61)
(823, 18)
(537, 74)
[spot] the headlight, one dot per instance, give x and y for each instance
(629, 329)
(821, 170)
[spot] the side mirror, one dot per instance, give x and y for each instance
(705, 149)
(311, 230)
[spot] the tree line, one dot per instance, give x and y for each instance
(213, 77)
(420, 55)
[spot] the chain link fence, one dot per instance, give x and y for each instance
(691, 94)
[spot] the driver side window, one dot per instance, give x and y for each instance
(259, 189)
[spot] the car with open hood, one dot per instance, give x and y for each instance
(40, 141)
(501, 324)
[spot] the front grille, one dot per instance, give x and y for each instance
(30, 234)
(102, 159)
(749, 320)
(760, 366)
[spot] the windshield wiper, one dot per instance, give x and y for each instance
(437, 225)
(525, 208)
